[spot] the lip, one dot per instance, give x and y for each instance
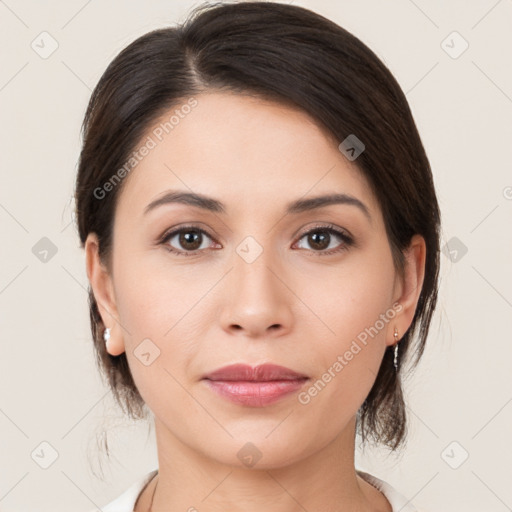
(256, 387)
(261, 373)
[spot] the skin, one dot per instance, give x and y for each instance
(213, 308)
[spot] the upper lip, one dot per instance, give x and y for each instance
(260, 373)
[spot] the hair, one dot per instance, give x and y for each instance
(293, 56)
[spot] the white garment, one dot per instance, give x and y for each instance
(126, 501)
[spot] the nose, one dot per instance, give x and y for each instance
(257, 301)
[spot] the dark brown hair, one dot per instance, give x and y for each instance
(290, 55)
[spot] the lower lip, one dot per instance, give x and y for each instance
(255, 394)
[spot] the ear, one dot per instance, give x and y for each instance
(409, 286)
(103, 290)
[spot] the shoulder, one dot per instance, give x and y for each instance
(398, 501)
(125, 502)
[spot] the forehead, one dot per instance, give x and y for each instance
(250, 152)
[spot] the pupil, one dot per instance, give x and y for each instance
(187, 240)
(323, 236)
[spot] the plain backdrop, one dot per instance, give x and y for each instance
(54, 408)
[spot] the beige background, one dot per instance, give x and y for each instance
(50, 391)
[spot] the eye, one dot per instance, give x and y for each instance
(189, 238)
(320, 238)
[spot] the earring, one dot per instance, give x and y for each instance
(395, 357)
(106, 335)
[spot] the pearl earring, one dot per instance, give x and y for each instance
(106, 335)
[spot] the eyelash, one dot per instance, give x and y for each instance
(329, 228)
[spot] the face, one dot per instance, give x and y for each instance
(193, 290)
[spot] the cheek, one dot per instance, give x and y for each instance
(353, 299)
(160, 303)
(348, 361)
(157, 331)
(356, 312)
(152, 295)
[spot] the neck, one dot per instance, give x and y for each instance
(325, 479)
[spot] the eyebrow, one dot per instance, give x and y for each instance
(298, 206)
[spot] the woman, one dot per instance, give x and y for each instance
(261, 234)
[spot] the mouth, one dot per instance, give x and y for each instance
(255, 387)
(255, 393)
(261, 373)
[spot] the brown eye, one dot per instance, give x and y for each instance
(185, 240)
(190, 240)
(320, 238)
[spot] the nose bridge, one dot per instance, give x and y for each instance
(255, 265)
(257, 298)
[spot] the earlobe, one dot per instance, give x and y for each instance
(101, 284)
(412, 283)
